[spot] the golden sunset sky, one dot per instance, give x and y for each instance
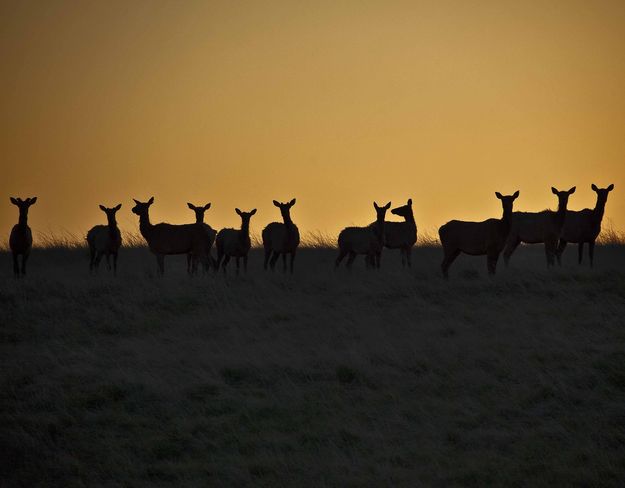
(336, 103)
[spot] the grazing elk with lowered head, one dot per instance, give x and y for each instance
(235, 243)
(584, 226)
(21, 238)
(165, 239)
(281, 238)
(212, 233)
(537, 227)
(367, 240)
(105, 240)
(477, 238)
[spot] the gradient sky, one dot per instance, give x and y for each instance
(336, 103)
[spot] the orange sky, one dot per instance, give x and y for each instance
(335, 103)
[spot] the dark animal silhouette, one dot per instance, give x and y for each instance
(537, 227)
(401, 235)
(105, 240)
(235, 243)
(212, 233)
(281, 238)
(367, 240)
(584, 226)
(164, 239)
(21, 238)
(477, 238)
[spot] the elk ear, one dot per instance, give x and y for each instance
(387, 206)
(237, 211)
(151, 201)
(611, 187)
(253, 212)
(118, 206)
(136, 201)
(207, 206)
(103, 208)
(554, 191)
(292, 202)
(13, 200)
(516, 194)
(571, 191)
(498, 195)
(276, 203)
(375, 205)
(191, 206)
(409, 202)
(594, 187)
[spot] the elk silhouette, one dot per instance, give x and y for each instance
(281, 238)
(584, 226)
(367, 240)
(212, 233)
(21, 238)
(105, 240)
(401, 235)
(477, 238)
(166, 239)
(537, 227)
(235, 243)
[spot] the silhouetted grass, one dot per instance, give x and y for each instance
(324, 378)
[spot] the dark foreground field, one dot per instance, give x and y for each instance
(384, 378)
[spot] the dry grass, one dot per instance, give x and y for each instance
(325, 378)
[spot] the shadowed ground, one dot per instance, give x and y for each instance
(321, 379)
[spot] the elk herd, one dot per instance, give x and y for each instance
(491, 237)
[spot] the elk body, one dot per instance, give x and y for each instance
(235, 243)
(281, 238)
(477, 238)
(584, 226)
(539, 227)
(363, 240)
(21, 238)
(167, 239)
(402, 235)
(212, 233)
(105, 240)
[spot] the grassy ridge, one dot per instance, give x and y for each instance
(324, 378)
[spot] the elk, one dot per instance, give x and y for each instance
(235, 242)
(105, 240)
(477, 238)
(584, 226)
(402, 235)
(281, 238)
(199, 220)
(21, 238)
(537, 227)
(367, 240)
(165, 239)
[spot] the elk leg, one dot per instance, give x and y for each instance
(160, 264)
(274, 258)
(491, 262)
(350, 259)
(403, 257)
(238, 262)
(16, 266)
(24, 259)
(378, 259)
(511, 246)
(409, 257)
(550, 253)
(115, 264)
(340, 257)
(560, 250)
(267, 256)
(245, 263)
(292, 260)
(591, 252)
(91, 258)
(449, 258)
(98, 258)
(284, 262)
(580, 252)
(226, 259)
(189, 259)
(108, 262)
